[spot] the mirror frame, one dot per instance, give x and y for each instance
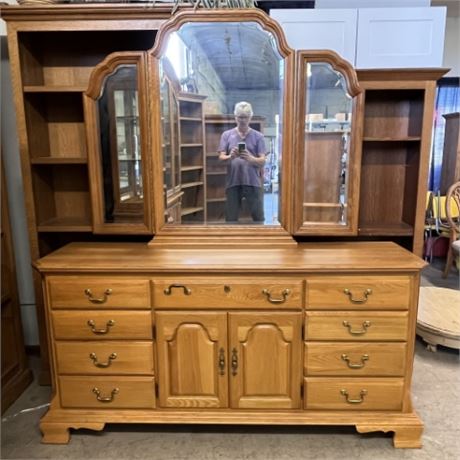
(356, 92)
(91, 109)
(225, 232)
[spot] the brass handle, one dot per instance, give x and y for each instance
(362, 393)
(108, 325)
(362, 331)
(234, 361)
(97, 300)
(169, 289)
(285, 293)
(222, 361)
(105, 399)
(111, 357)
(360, 365)
(366, 294)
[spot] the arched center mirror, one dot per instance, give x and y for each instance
(222, 98)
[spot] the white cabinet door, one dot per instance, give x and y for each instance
(310, 29)
(400, 37)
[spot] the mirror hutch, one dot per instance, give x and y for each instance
(154, 308)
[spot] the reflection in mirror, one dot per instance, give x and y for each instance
(328, 115)
(205, 71)
(120, 147)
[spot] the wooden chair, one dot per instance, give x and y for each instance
(452, 207)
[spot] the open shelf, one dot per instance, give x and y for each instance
(62, 198)
(55, 125)
(53, 89)
(393, 139)
(67, 58)
(58, 160)
(192, 210)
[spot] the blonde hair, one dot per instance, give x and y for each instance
(243, 108)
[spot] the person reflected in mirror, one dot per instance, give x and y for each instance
(243, 149)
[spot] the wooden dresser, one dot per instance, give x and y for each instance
(318, 334)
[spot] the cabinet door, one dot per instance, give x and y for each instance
(192, 354)
(327, 131)
(265, 360)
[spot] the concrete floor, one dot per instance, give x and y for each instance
(436, 397)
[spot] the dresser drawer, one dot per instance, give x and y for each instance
(113, 392)
(104, 357)
(362, 326)
(355, 292)
(101, 325)
(98, 292)
(226, 293)
(349, 359)
(353, 394)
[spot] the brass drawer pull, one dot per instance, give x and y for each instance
(285, 293)
(108, 325)
(105, 399)
(234, 361)
(362, 393)
(111, 357)
(222, 361)
(97, 300)
(362, 331)
(169, 289)
(360, 365)
(366, 294)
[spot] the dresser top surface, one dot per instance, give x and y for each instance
(318, 257)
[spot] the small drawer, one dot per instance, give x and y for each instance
(107, 392)
(98, 292)
(362, 326)
(101, 325)
(104, 358)
(353, 394)
(359, 292)
(227, 293)
(349, 359)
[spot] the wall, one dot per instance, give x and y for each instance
(452, 46)
(11, 160)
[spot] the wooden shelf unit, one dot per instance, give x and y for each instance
(395, 149)
(193, 157)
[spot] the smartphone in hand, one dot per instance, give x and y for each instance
(241, 146)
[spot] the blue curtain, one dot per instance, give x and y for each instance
(447, 101)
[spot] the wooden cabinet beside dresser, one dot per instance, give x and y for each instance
(315, 334)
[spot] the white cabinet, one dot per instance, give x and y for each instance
(370, 38)
(400, 37)
(320, 29)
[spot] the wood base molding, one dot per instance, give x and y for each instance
(407, 427)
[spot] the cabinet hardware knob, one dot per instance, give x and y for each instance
(98, 300)
(168, 290)
(94, 330)
(111, 357)
(105, 399)
(234, 361)
(285, 293)
(222, 361)
(227, 288)
(352, 331)
(360, 365)
(362, 393)
(366, 294)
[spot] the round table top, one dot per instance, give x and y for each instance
(439, 311)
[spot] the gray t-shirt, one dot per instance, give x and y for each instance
(239, 171)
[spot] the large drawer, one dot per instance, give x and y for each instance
(113, 392)
(362, 326)
(228, 293)
(353, 359)
(98, 292)
(356, 292)
(104, 357)
(353, 394)
(101, 325)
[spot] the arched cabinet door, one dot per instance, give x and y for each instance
(116, 117)
(329, 103)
